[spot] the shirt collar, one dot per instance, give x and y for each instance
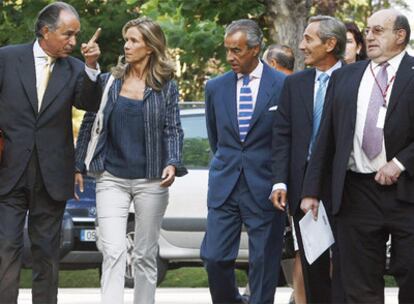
(38, 52)
(394, 62)
(336, 66)
(256, 73)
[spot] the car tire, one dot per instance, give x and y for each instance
(162, 265)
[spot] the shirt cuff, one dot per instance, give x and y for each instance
(278, 186)
(399, 165)
(92, 73)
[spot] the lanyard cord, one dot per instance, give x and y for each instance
(385, 92)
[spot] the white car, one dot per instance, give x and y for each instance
(184, 223)
(185, 220)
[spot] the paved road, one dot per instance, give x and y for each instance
(165, 296)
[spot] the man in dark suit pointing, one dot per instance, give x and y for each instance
(39, 83)
(366, 142)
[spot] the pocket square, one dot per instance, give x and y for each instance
(274, 108)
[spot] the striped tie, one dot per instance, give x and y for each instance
(245, 108)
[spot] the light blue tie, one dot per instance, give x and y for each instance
(318, 107)
(245, 108)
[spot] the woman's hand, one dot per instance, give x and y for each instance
(168, 176)
(78, 183)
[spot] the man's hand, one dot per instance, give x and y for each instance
(388, 174)
(278, 198)
(91, 51)
(78, 183)
(310, 203)
(168, 176)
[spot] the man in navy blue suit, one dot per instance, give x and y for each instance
(240, 109)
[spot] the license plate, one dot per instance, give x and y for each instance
(88, 235)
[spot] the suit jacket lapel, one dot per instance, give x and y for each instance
(60, 75)
(27, 71)
(230, 100)
(263, 95)
(307, 90)
(404, 74)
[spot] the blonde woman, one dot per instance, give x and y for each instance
(137, 156)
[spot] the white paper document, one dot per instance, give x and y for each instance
(316, 235)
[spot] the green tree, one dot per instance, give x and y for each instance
(355, 10)
(195, 31)
(194, 28)
(17, 20)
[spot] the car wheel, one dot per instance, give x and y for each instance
(162, 265)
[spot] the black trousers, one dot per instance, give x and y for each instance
(316, 276)
(369, 214)
(44, 225)
(338, 294)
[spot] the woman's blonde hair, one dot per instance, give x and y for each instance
(161, 67)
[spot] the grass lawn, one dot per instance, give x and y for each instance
(67, 278)
(195, 277)
(183, 277)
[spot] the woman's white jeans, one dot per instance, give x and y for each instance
(113, 198)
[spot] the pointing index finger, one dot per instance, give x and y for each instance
(95, 36)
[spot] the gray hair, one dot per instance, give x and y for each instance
(401, 23)
(49, 16)
(330, 27)
(283, 55)
(252, 30)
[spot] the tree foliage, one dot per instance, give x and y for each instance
(194, 28)
(354, 10)
(17, 19)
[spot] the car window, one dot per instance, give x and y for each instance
(196, 148)
(194, 126)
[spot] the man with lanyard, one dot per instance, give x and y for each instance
(366, 141)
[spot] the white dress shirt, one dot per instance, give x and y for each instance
(40, 59)
(358, 161)
(254, 83)
(337, 65)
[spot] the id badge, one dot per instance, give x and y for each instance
(381, 117)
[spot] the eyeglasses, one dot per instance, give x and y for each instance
(377, 30)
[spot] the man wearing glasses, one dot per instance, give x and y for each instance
(366, 141)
